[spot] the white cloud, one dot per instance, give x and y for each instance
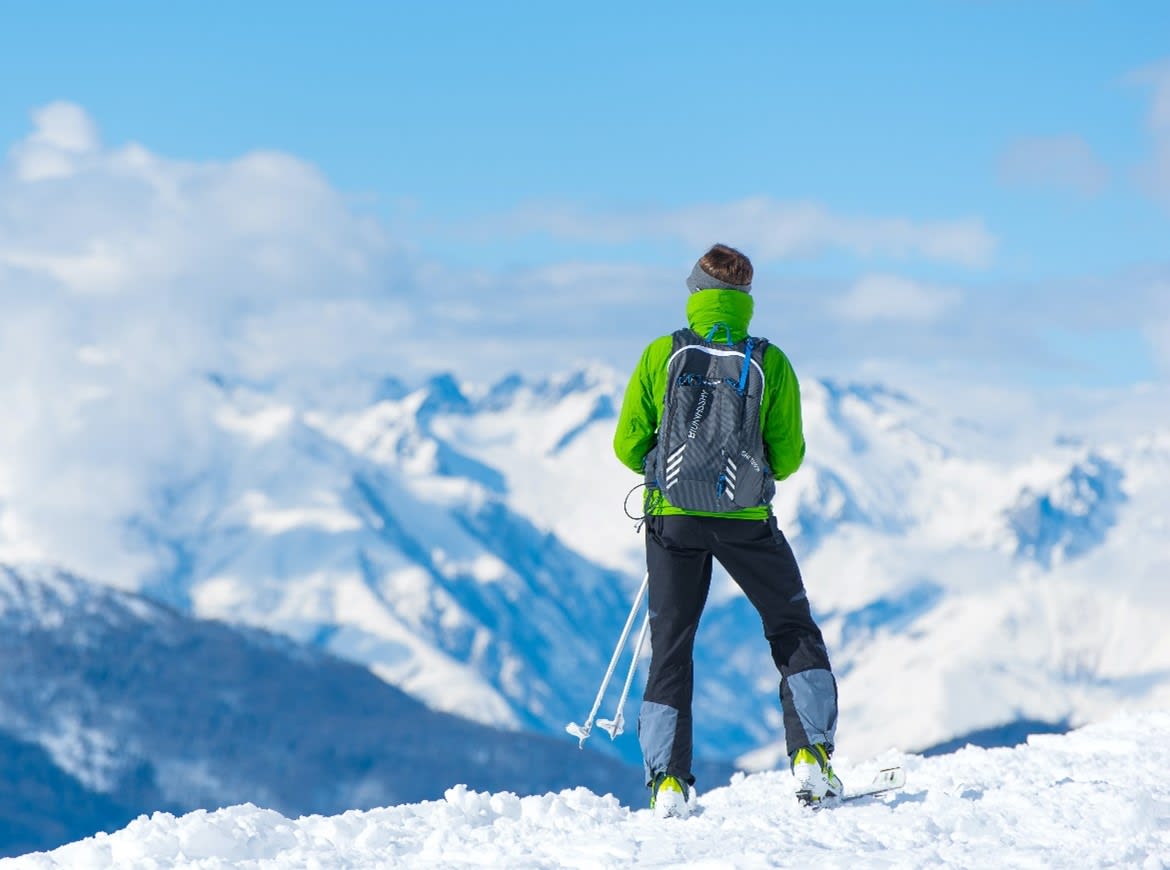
(1058, 162)
(125, 278)
(63, 134)
(895, 298)
(65, 126)
(764, 228)
(130, 225)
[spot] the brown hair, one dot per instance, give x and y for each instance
(727, 264)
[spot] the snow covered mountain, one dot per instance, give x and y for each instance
(113, 705)
(929, 554)
(364, 534)
(1066, 801)
(468, 543)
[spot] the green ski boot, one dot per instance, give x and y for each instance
(814, 775)
(670, 797)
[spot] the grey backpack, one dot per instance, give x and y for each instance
(710, 454)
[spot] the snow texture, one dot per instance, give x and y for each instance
(1081, 800)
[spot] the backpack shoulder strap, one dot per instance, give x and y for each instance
(754, 350)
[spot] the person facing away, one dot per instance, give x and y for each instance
(712, 418)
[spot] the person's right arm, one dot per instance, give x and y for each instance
(783, 428)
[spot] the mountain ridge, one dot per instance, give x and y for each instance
(130, 706)
(467, 543)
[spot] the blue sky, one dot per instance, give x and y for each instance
(978, 186)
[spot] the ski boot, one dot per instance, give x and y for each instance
(670, 797)
(814, 775)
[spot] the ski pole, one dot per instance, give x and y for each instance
(582, 731)
(616, 725)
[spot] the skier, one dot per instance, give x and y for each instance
(688, 523)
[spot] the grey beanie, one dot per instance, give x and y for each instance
(700, 280)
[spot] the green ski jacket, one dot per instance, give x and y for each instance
(642, 407)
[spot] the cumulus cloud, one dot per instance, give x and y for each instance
(205, 247)
(769, 230)
(1058, 162)
(64, 134)
(895, 298)
(130, 281)
(127, 278)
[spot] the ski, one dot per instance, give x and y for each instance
(890, 779)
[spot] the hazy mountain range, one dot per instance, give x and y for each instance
(113, 705)
(469, 544)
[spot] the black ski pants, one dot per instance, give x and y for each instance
(755, 553)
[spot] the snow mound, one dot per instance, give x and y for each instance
(1083, 799)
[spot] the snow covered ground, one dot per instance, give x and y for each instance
(1084, 799)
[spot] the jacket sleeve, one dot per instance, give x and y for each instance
(637, 426)
(783, 426)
